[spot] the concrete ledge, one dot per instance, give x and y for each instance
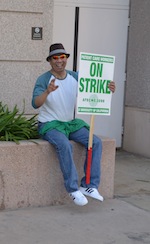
(30, 174)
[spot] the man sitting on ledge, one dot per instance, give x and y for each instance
(55, 94)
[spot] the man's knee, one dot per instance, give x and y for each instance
(64, 145)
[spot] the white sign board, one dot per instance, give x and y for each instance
(95, 73)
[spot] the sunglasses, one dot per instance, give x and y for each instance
(63, 56)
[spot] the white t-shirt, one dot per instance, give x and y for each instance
(60, 104)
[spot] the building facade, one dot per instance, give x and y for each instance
(136, 136)
(27, 32)
(21, 54)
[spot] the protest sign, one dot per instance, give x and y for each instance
(95, 73)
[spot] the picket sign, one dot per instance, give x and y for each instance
(94, 97)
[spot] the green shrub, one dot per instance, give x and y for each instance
(15, 126)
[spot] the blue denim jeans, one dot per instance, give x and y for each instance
(64, 151)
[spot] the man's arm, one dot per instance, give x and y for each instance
(39, 100)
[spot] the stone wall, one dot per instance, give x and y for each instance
(137, 102)
(30, 174)
(21, 58)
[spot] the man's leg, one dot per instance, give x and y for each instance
(64, 151)
(82, 136)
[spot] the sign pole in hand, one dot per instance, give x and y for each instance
(89, 155)
(94, 95)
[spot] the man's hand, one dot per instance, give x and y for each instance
(112, 86)
(41, 99)
(51, 87)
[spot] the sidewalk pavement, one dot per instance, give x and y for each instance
(122, 220)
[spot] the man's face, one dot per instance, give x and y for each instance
(58, 62)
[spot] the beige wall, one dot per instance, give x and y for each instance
(21, 58)
(137, 102)
(137, 131)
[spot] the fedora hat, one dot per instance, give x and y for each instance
(56, 48)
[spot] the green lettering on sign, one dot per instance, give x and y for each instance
(94, 85)
(96, 69)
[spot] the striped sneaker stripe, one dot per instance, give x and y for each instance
(89, 190)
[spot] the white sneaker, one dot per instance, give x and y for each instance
(78, 198)
(91, 192)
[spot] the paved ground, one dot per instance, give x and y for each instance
(132, 179)
(122, 220)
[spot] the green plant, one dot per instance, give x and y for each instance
(15, 126)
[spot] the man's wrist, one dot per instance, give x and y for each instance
(47, 91)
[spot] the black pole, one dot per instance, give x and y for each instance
(76, 28)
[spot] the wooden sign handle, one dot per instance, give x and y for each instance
(91, 131)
